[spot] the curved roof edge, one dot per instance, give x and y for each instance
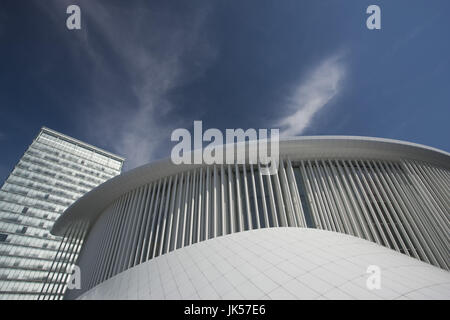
(95, 201)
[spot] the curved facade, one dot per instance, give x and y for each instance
(277, 263)
(392, 193)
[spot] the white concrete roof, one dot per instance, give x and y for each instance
(277, 263)
(313, 147)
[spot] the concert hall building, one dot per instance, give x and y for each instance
(337, 208)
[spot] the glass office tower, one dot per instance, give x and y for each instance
(54, 172)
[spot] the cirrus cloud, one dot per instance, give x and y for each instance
(311, 95)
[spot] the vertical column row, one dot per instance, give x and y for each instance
(400, 205)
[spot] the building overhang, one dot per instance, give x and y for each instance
(91, 205)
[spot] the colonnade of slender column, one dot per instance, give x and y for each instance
(403, 205)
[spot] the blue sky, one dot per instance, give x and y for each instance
(137, 70)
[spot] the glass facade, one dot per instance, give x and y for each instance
(55, 171)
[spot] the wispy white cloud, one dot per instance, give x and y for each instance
(155, 67)
(311, 95)
(151, 48)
